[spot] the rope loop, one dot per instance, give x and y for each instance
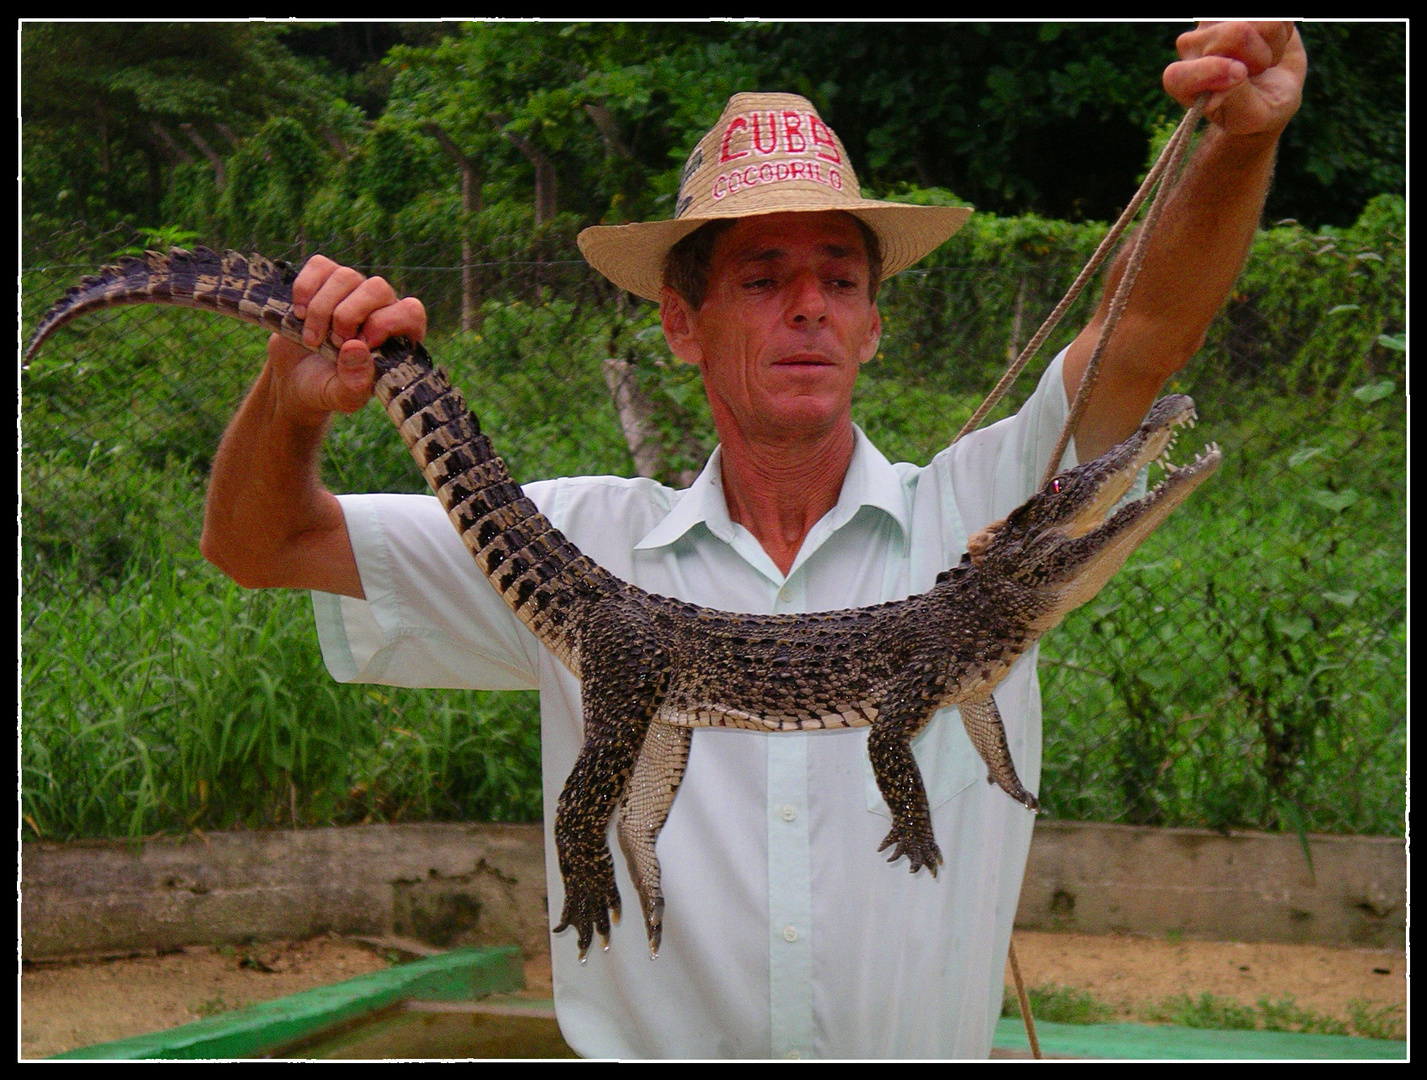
(1163, 174)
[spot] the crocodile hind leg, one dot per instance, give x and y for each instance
(982, 721)
(642, 815)
(620, 698)
(889, 748)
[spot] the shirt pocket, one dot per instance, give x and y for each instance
(949, 764)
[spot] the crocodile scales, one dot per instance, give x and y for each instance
(653, 668)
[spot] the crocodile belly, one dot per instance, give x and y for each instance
(773, 715)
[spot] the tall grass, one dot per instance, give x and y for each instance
(1190, 692)
(180, 701)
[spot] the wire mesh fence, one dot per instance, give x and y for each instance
(1247, 669)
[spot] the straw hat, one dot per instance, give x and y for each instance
(768, 153)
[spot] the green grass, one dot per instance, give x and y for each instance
(1066, 1005)
(1205, 1011)
(1247, 669)
(1378, 1021)
(179, 701)
(1060, 1005)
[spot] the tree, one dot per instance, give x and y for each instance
(109, 109)
(1056, 119)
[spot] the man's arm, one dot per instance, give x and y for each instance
(1254, 73)
(268, 521)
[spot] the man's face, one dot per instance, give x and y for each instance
(785, 325)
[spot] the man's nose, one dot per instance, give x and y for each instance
(808, 304)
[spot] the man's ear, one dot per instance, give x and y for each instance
(874, 337)
(677, 318)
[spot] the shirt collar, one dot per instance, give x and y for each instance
(870, 481)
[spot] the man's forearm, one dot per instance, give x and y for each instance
(1195, 255)
(268, 521)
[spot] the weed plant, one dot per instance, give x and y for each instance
(1376, 1021)
(1278, 594)
(1060, 1005)
(1066, 1005)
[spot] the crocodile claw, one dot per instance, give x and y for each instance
(920, 851)
(590, 912)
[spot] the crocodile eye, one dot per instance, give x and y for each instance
(1055, 486)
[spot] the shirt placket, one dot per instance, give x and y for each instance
(790, 930)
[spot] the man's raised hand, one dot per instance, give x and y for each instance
(1253, 72)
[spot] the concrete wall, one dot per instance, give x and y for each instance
(454, 884)
(446, 885)
(1099, 879)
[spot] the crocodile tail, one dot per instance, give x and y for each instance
(250, 287)
(542, 575)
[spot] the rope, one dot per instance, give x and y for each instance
(1174, 151)
(1166, 168)
(1025, 1005)
(1179, 139)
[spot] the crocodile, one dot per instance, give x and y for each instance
(653, 668)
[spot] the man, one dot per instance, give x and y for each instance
(785, 934)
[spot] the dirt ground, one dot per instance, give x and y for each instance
(73, 1004)
(1130, 973)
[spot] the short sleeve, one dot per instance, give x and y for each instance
(430, 617)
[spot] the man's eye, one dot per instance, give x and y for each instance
(758, 283)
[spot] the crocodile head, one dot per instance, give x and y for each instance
(1065, 542)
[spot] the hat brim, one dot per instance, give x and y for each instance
(632, 256)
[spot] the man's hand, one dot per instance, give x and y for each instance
(268, 521)
(354, 312)
(1253, 72)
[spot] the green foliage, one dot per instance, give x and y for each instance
(103, 104)
(1059, 1005)
(135, 722)
(1309, 308)
(1285, 685)
(1053, 119)
(1205, 1011)
(269, 179)
(1287, 1015)
(1225, 1014)
(1246, 670)
(1054, 1004)
(1000, 113)
(1347, 145)
(1375, 1021)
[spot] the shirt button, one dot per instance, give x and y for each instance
(789, 812)
(790, 933)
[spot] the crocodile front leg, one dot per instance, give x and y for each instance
(646, 806)
(619, 700)
(982, 721)
(901, 717)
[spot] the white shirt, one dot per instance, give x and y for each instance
(786, 934)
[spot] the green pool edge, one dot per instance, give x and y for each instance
(257, 1030)
(1165, 1042)
(467, 974)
